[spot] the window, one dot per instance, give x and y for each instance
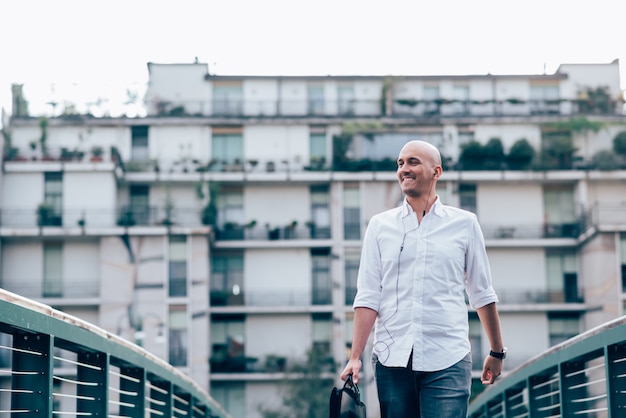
(178, 265)
(562, 326)
(52, 269)
(226, 151)
(317, 150)
(322, 336)
(467, 197)
(227, 99)
(544, 98)
(320, 212)
(232, 396)
(345, 95)
(227, 343)
(315, 100)
(460, 94)
(139, 143)
(178, 335)
(51, 213)
(227, 279)
(140, 204)
(562, 276)
(560, 214)
(322, 286)
(431, 95)
(351, 266)
(351, 212)
(230, 214)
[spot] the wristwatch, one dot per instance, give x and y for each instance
(500, 356)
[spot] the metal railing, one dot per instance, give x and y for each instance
(53, 364)
(399, 107)
(584, 376)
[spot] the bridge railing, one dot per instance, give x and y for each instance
(53, 364)
(584, 376)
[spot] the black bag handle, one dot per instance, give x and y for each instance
(354, 392)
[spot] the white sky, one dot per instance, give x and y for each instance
(80, 50)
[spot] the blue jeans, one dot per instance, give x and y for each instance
(403, 393)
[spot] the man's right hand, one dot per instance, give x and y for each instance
(353, 367)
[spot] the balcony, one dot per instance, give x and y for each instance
(271, 298)
(400, 108)
(64, 291)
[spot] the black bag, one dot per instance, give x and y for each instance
(346, 402)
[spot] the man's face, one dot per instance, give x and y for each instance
(415, 170)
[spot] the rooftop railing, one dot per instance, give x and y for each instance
(584, 376)
(53, 364)
(392, 107)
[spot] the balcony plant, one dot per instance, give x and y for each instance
(520, 155)
(96, 153)
(619, 145)
(127, 218)
(45, 213)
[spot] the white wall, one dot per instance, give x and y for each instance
(89, 194)
(170, 144)
(276, 143)
(81, 269)
(278, 277)
(503, 204)
(516, 270)
(179, 83)
(277, 206)
(22, 190)
(22, 268)
(268, 335)
(260, 96)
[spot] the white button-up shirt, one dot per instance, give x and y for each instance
(415, 276)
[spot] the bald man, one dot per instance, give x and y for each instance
(417, 262)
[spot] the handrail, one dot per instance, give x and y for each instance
(60, 364)
(579, 377)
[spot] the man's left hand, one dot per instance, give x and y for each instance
(492, 369)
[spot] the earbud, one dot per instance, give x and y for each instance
(435, 174)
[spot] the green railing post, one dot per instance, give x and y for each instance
(616, 379)
(93, 372)
(32, 375)
(161, 398)
(132, 392)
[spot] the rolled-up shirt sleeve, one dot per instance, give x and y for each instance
(478, 273)
(369, 288)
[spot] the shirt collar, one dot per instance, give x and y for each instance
(437, 208)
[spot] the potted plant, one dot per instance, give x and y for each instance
(96, 153)
(45, 213)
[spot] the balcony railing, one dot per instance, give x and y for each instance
(53, 364)
(584, 376)
(38, 288)
(274, 298)
(400, 107)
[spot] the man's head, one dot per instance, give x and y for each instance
(419, 167)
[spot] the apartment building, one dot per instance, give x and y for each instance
(222, 231)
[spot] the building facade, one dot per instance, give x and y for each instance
(222, 231)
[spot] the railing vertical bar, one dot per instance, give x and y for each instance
(161, 394)
(132, 392)
(98, 375)
(616, 381)
(39, 401)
